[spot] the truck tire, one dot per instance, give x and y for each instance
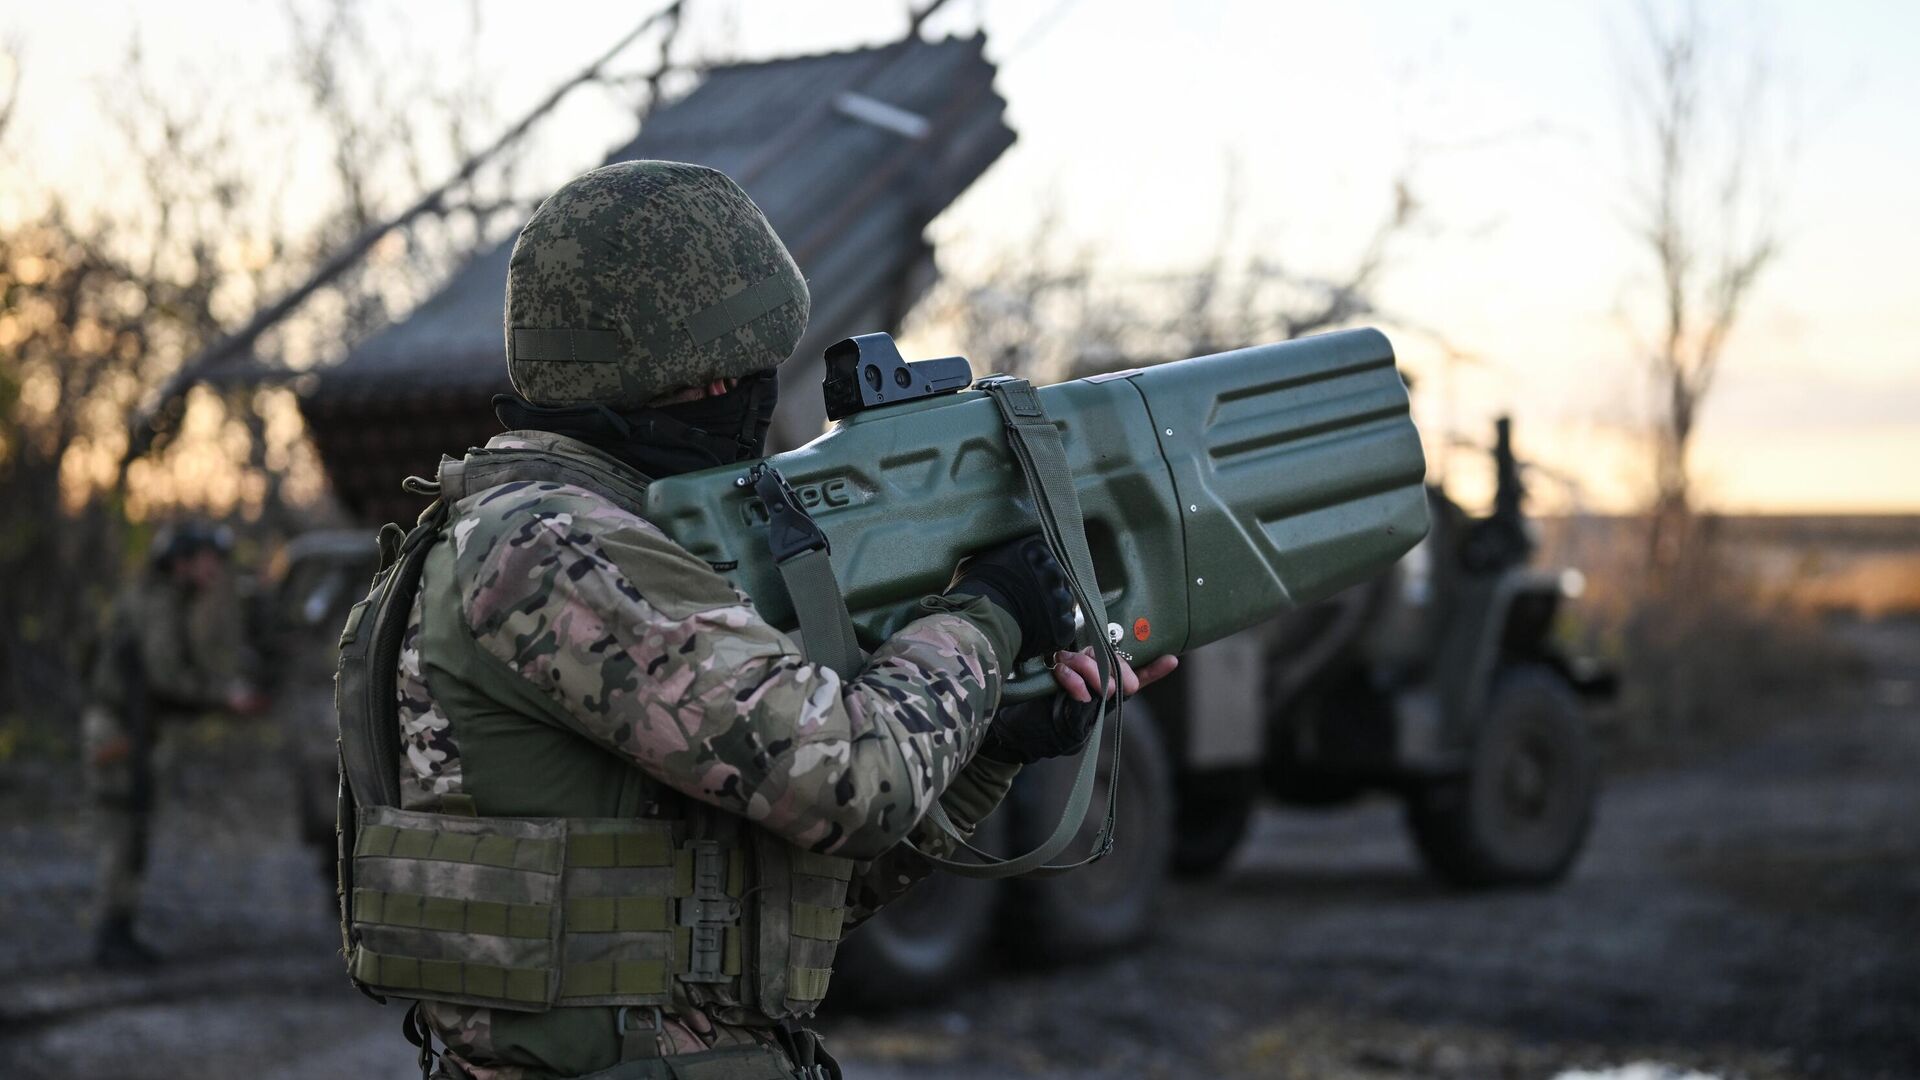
(1208, 830)
(1305, 779)
(1521, 813)
(1108, 905)
(1304, 787)
(922, 945)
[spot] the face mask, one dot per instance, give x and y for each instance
(739, 417)
(668, 439)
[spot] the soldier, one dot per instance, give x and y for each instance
(726, 809)
(170, 652)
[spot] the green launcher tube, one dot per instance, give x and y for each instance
(1218, 492)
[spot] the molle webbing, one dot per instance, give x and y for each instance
(530, 913)
(802, 895)
(462, 909)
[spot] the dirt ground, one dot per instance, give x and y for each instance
(1753, 913)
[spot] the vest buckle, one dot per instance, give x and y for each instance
(707, 914)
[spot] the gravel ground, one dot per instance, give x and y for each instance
(1754, 914)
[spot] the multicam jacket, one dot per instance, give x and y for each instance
(658, 663)
(184, 649)
(186, 641)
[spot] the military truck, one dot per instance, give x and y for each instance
(1442, 683)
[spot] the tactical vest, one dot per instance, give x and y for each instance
(677, 904)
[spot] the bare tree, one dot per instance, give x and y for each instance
(10, 95)
(1707, 214)
(97, 306)
(1052, 314)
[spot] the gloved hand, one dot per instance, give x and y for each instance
(244, 700)
(112, 751)
(1027, 731)
(1024, 579)
(1059, 724)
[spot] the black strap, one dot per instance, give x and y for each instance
(368, 707)
(808, 1051)
(805, 561)
(421, 1036)
(370, 732)
(1042, 458)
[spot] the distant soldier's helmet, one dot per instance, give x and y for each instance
(184, 539)
(646, 277)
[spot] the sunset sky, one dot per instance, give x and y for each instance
(1508, 115)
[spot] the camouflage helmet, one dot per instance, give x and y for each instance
(184, 539)
(646, 277)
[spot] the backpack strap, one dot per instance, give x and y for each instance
(366, 701)
(365, 692)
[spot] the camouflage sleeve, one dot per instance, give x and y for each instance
(653, 655)
(168, 664)
(975, 794)
(217, 633)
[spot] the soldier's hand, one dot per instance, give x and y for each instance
(1058, 725)
(112, 751)
(243, 700)
(1078, 672)
(1024, 579)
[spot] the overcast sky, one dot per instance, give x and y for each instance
(1129, 111)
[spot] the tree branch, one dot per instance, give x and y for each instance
(159, 416)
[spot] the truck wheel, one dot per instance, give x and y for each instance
(1310, 782)
(1305, 788)
(1208, 830)
(916, 949)
(1521, 814)
(1109, 904)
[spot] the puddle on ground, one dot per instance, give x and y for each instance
(1638, 1070)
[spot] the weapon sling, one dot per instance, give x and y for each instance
(804, 558)
(826, 630)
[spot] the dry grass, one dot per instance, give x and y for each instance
(1871, 586)
(1741, 632)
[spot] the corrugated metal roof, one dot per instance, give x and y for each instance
(850, 197)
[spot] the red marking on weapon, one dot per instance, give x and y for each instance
(1141, 628)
